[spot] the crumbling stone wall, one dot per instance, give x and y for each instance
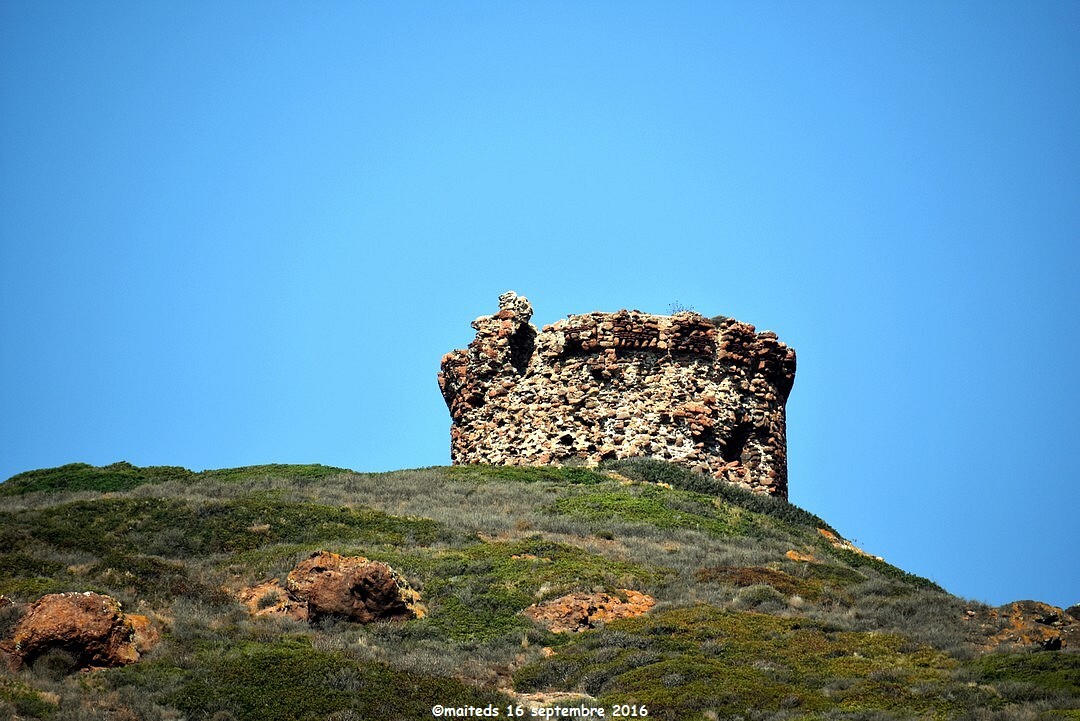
(707, 394)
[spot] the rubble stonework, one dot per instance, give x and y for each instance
(708, 394)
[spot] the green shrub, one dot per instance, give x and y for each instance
(294, 472)
(478, 593)
(1054, 671)
(23, 700)
(121, 476)
(688, 662)
(762, 598)
(657, 471)
(9, 616)
(30, 589)
(528, 474)
(270, 599)
(888, 570)
(25, 564)
(176, 528)
(289, 679)
(747, 576)
(153, 579)
(55, 663)
(832, 574)
(655, 506)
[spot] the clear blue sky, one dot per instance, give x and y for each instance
(238, 233)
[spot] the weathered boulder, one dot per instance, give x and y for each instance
(1024, 625)
(91, 627)
(352, 587)
(582, 611)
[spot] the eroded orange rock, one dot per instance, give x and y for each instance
(145, 634)
(582, 611)
(837, 542)
(90, 626)
(352, 587)
(269, 598)
(1023, 625)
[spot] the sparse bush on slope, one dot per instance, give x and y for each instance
(741, 629)
(288, 678)
(690, 662)
(121, 476)
(655, 471)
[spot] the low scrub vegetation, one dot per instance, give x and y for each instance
(287, 678)
(700, 661)
(656, 507)
(758, 616)
(654, 471)
(121, 476)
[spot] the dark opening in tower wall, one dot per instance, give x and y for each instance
(732, 448)
(522, 345)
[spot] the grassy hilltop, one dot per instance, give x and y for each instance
(759, 614)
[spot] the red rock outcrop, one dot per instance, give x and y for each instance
(706, 394)
(352, 587)
(1025, 625)
(582, 611)
(89, 626)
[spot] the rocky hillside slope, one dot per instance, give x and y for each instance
(639, 588)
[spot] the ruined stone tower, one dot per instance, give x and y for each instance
(707, 394)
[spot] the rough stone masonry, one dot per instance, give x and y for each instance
(708, 394)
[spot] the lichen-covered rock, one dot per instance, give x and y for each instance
(352, 587)
(270, 599)
(145, 634)
(707, 394)
(582, 611)
(89, 626)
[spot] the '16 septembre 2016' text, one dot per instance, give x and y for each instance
(492, 711)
